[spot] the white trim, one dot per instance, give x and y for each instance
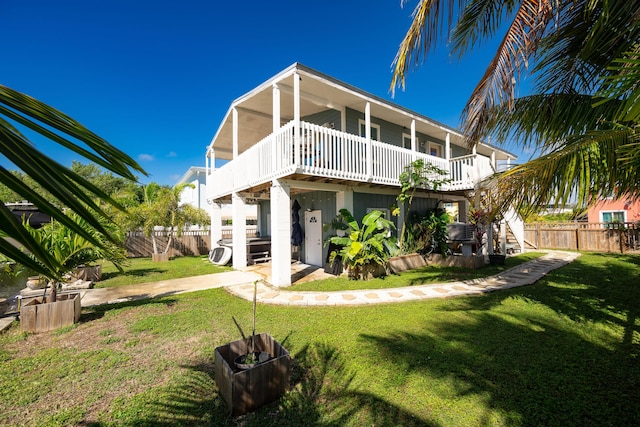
(612, 212)
(372, 125)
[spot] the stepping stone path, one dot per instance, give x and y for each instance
(522, 275)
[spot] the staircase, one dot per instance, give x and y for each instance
(515, 232)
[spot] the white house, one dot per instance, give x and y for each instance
(197, 196)
(305, 136)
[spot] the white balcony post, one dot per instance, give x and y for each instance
(414, 146)
(493, 159)
(216, 223)
(239, 226)
(276, 126)
(296, 118)
(235, 132)
(447, 147)
(280, 234)
(367, 125)
(503, 237)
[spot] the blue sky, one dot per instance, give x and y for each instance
(156, 78)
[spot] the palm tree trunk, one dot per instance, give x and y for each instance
(155, 245)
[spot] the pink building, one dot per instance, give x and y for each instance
(615, 210)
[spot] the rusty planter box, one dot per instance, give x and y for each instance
(39, 316)
(246, 390)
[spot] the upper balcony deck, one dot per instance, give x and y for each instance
(333, 155)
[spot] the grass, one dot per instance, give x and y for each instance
(419, 276)
(561, 352)
(142, 270)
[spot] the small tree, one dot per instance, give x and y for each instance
(161, 208)
(418, 175)
(427, 233)
(71, 250)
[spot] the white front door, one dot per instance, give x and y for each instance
(313, 238)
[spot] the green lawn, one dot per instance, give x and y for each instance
(564, 351)
(418, 276)
(142, 270)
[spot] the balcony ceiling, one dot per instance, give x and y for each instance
(318, 93)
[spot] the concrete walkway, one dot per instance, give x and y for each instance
(524, 274)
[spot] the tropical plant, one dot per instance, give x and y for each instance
(71, 250)
(582, 115)
(428, 233)
(364, 246)
(417, 175)
(161, 208)
(69, 188)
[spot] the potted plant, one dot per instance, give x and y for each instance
(251, 372)
(365, 249)
(69, 250)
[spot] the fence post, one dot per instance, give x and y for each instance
(620, 227)
(577, 235)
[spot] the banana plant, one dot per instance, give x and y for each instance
(364, 246)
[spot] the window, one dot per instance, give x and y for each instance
(433, 149)
(375, 130)
(406, 141)
(613, 216)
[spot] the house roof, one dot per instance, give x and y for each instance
(319, 92)
(191, 174)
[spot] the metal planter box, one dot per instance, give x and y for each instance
(246, 390)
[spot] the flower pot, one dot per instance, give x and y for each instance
(245, 390)
(92, 273)
(37, 315)
(163, 257)
(36, 282)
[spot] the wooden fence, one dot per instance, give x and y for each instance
(191, 242)
(595, 237)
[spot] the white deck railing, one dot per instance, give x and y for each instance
(334, 154)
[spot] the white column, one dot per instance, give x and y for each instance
(239, 217)
(344, 200)
(490, 238)
(235, 132)
(503, 237)
(447, 146)
(276, 126)
(280, 234)
(493, 159)
(414, 145)
(343, 119)
(276, 107)
(367, 124)
(296, 118)
(216, 223)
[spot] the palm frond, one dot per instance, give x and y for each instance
(498, 84)
(542, 121)
(69, 188)
(432, 19)
(583, 168)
